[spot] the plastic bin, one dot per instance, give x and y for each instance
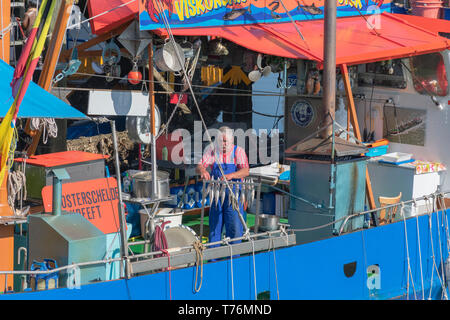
(377, 151)
(175, 216)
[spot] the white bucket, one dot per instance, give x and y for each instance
(163, 214)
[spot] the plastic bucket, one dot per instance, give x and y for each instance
(427, 9)
(166, 58)
(164, 214)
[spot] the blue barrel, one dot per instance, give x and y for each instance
(269, 203)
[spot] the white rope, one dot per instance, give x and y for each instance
(226, 241)
(420, 252)
(402, 212)
(444, 292)
(46, 125)
(16, 183)
(254, 268)
(275, 265)
(434, 266)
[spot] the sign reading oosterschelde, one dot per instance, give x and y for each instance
(213, 13)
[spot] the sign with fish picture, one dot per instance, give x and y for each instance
(214, 13)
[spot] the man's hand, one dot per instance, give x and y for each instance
(229, 176)
(204, 174)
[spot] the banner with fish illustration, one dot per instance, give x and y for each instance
(213, 13)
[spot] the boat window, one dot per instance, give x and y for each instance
(429, 74)
(384, 73)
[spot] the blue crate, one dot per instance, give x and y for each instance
(377, 151)
(446, 13)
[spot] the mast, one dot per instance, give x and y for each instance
(151, 97)
(329, 68)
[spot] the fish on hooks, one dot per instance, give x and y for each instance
(236, 13)
(223, 193)
(312, 9)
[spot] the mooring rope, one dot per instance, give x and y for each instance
(402, 212)
(227, 242)
(420, 251)
(434, 266)
(198, 247)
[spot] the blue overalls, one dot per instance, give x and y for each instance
(223, 214)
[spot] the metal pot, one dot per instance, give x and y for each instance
(142, 184)
(267, 222)
(166, 58)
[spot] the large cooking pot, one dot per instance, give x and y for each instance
(166, 58)
(143, 186)
(268, 222)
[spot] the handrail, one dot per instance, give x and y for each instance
(247, 237)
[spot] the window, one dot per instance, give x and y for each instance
(429, 74)
(384, 73)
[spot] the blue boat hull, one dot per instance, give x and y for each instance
(308, 271)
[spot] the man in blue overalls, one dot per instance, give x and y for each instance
(235, 166)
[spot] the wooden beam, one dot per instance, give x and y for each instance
(51, 59)
(5, 11)
(66, 54)
(356, 130)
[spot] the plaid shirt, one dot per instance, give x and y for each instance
(240, 159)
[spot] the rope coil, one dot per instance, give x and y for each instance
(199, 248)
(16, 183)
(46, 125)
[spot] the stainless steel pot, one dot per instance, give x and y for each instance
(166, 58)
(268, 222)
(142, 184)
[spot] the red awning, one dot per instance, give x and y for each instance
(399, 36)
(111, 20)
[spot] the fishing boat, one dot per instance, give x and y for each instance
(331, 222)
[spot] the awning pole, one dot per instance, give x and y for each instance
(329, 68)
(354, 120)
(151, 97)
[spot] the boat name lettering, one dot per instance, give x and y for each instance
(351, 3)
(85, 202)
(187, 9)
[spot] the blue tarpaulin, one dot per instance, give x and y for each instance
(37, 102)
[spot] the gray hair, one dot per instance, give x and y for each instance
(226, 131)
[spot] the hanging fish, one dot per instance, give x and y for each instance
(236, 13)
(223, 193)
(242, 195)
(236, 193)
(211, 191)
(229, 196)
(252, 191)
(217, 192)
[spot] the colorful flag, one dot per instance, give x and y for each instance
(22, 79)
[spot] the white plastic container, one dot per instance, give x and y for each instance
(396, 157)
(173, 215)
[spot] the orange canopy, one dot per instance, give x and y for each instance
(398, 36)
(121, 12)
